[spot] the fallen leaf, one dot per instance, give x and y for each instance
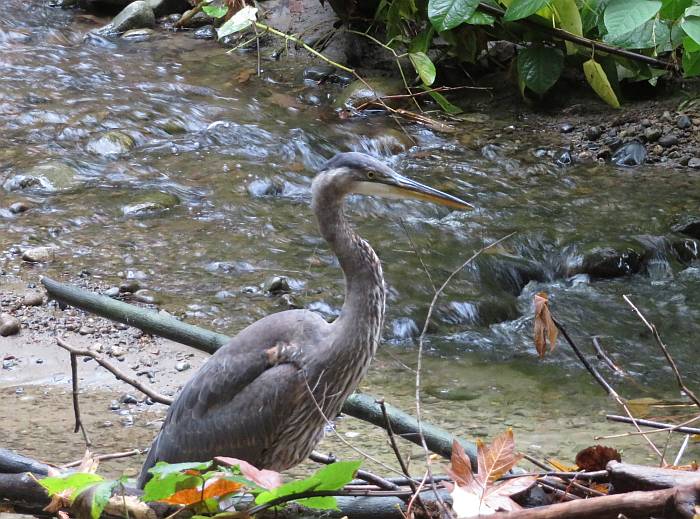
(499, 458)
(545, 329)
(244, 75)
(596, 457)
(89, 463)
(59, 501)
(461, 468)
(215, 487)
(560, 466)
(603, 488)
(267, 479)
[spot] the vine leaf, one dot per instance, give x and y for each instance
(623, 16)
(595, 75)
(523, 8)
(448, 14)
(425, 68)
(545, 329)
(238, 22)
(540, 67)
(569, 20)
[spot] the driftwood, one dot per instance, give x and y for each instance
(13, 463)
(361, 406)
(626, 477)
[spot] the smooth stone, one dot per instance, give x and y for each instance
(111, 144)
(86, 330)
(260, 188)
(138, 34)
(136, 15)
(9, 325)
(128, 399)
(668, 140)
(358, 93)
(686, 250)
(607, 262)
(114, 405)
(19, 207)
(39, 254)
(593, 133)
(206, 32)
(182, 366)
(50, 176)
(318, 73)
(631, 154)
(33, 299)
(684, 122)
(149, 204)
(688, 225)
(146, 296)
(566, 128)
(564, 158)
(692, 163)
(277, 285)
(111, 292)
(652, 134)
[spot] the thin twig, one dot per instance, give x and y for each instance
(76, 404)
(659, 426)
(105, 457)
(402, 463)
(599, 378)
(421, 340)
(664, 349)
(600, 353)
(155, 396)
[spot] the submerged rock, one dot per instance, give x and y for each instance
(138, 34)
(150, 204)
(136, 15)
(686, 250)
(50, 176)
(112, 143)
(39, 254)
(631, 154)
(607, 262)
(688, 225)
(358, 93)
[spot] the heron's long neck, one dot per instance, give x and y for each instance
(362, 316)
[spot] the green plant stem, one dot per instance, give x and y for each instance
(586, 42)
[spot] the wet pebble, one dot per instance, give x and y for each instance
(19, 207)
(668, 140)
(694, 163)
(146, 296)
(138, 34)
(631, 154)
(128, 399)
(182, 366)
(566, 128)
(206, 32)
(114, 405)
(39, 254)
(684, 122)
(86, 330)
(652, 134)
(277, 285)
(111, 144)
(9, 325)
(33, 299)
(111, 292)
(318, 73)
(593, 133)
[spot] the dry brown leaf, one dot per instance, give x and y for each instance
(461, 467)
(596, 457)
(545, 329)
(603, 488)
(560, 466)
(267, 479)
(59, 501)
(88, 464)
(499, 458)
(215, 487)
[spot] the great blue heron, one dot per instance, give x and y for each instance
(265, 396)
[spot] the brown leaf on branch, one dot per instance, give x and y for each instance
(475, 494)
(545, 329)
(596, 457)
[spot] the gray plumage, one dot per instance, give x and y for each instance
(265, 396)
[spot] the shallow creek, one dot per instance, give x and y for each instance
(153, 158)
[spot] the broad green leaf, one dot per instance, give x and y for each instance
(100, 497)
(239, 21)
(691, 57)
(425, 68)
(448, 14)
(76, 481)
(673, 9)
(444, 103)
(215, 11)
(540, 67)
(162, 468)
(652, 34)
(599, 82)
(623, 16)
(569, 18)
(480, 18)
(592, 15)
(691, 26)
(421, 43)
(331, 477)
(523, 8)
(163, 487)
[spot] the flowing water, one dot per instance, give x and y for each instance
(161, 159)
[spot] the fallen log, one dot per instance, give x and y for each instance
(14, 463)
(626, 477)
(361, 406)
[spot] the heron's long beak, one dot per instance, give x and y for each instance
(398, 186)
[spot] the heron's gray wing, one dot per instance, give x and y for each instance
(239, 399)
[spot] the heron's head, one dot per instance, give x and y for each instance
(362, 174)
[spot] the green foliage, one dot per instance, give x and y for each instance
(540, 67)
(100, 497)
(215, 11)
(238, 22)
(598, 79)
(623, 16)
(76, 482)
(523, 8)
(330, 477)
(448, 14)
(425, 68)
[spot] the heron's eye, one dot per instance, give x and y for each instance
(371, 175)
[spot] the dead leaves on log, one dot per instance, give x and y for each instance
(596, 457)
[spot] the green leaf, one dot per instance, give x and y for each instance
(445, 104)
(540, 67)
(215, 11)
(652, 34)
(673, 9)
(100, 497)
(165, 486)
(448, 14)
(599, 82)
(569, 20)
(479, 18)
(691, 26)
(239, 21)
(523, 8)
(424, 67)
(76, 481)
(623, 16)
(421, 43)
(162, 469)
(331, 477)
(691, 57)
